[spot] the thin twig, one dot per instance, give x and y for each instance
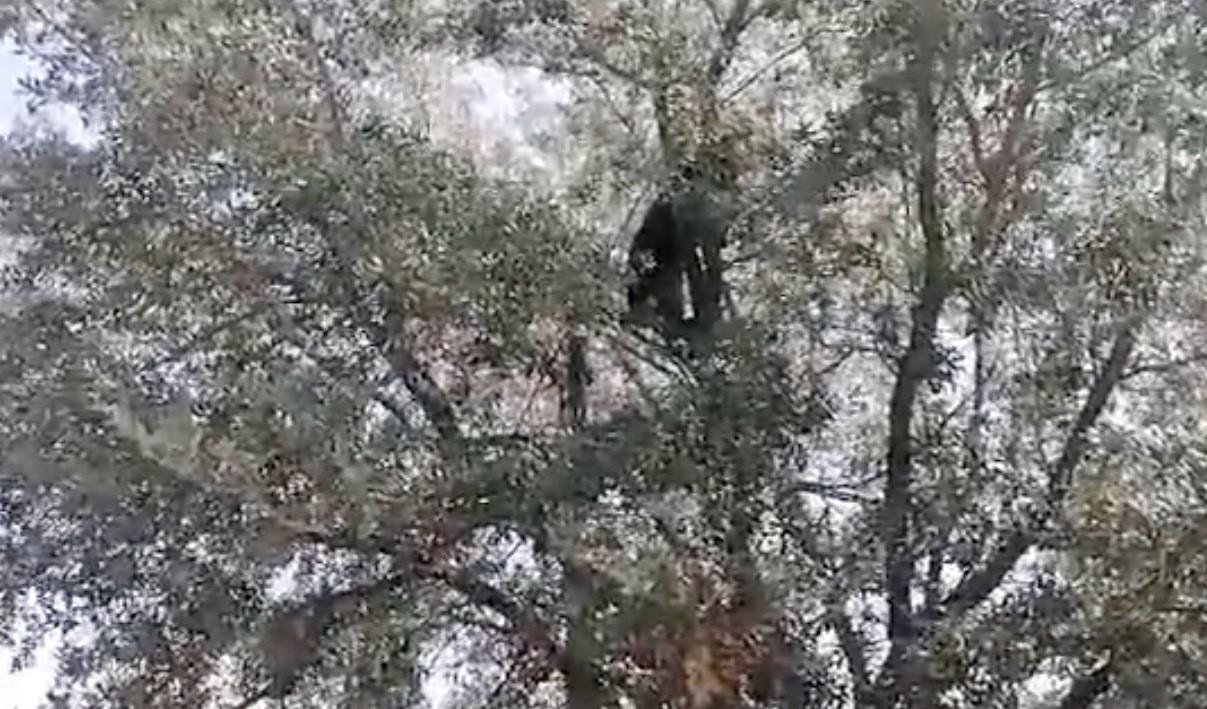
(754, 76)
(1099, 63)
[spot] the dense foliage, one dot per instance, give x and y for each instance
(308, 396)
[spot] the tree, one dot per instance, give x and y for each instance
(940, 445)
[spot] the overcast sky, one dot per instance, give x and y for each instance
(13, 111)
(11, 68)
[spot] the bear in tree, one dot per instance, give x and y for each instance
(658, 259)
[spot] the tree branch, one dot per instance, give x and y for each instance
(332, 367)
(848, 154)
(1164, 367)
(392, 340)
(1123, 52)
(853, 650)
(328, 90)
(389, 337)
(419, 565)
(975, 587)
(293, 647)
(754, 76)
(596, 56)
(916, 364)
(736, 23)
(208, 333)
(714, 11)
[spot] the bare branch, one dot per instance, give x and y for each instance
(625, 121)
(1164, 367)
(597, 57)
(834, 491)
(754, 76)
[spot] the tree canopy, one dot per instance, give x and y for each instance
(311, 396)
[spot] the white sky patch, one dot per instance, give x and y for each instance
(505, 117)
(12, 68)
(14, 112)
(27, 688)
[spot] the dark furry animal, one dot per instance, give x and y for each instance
(658, 258)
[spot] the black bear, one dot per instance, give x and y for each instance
(658, 257)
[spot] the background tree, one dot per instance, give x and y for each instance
(304, 401)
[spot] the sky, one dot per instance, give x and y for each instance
(26, 689)
(12, 67)
(13, 111)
